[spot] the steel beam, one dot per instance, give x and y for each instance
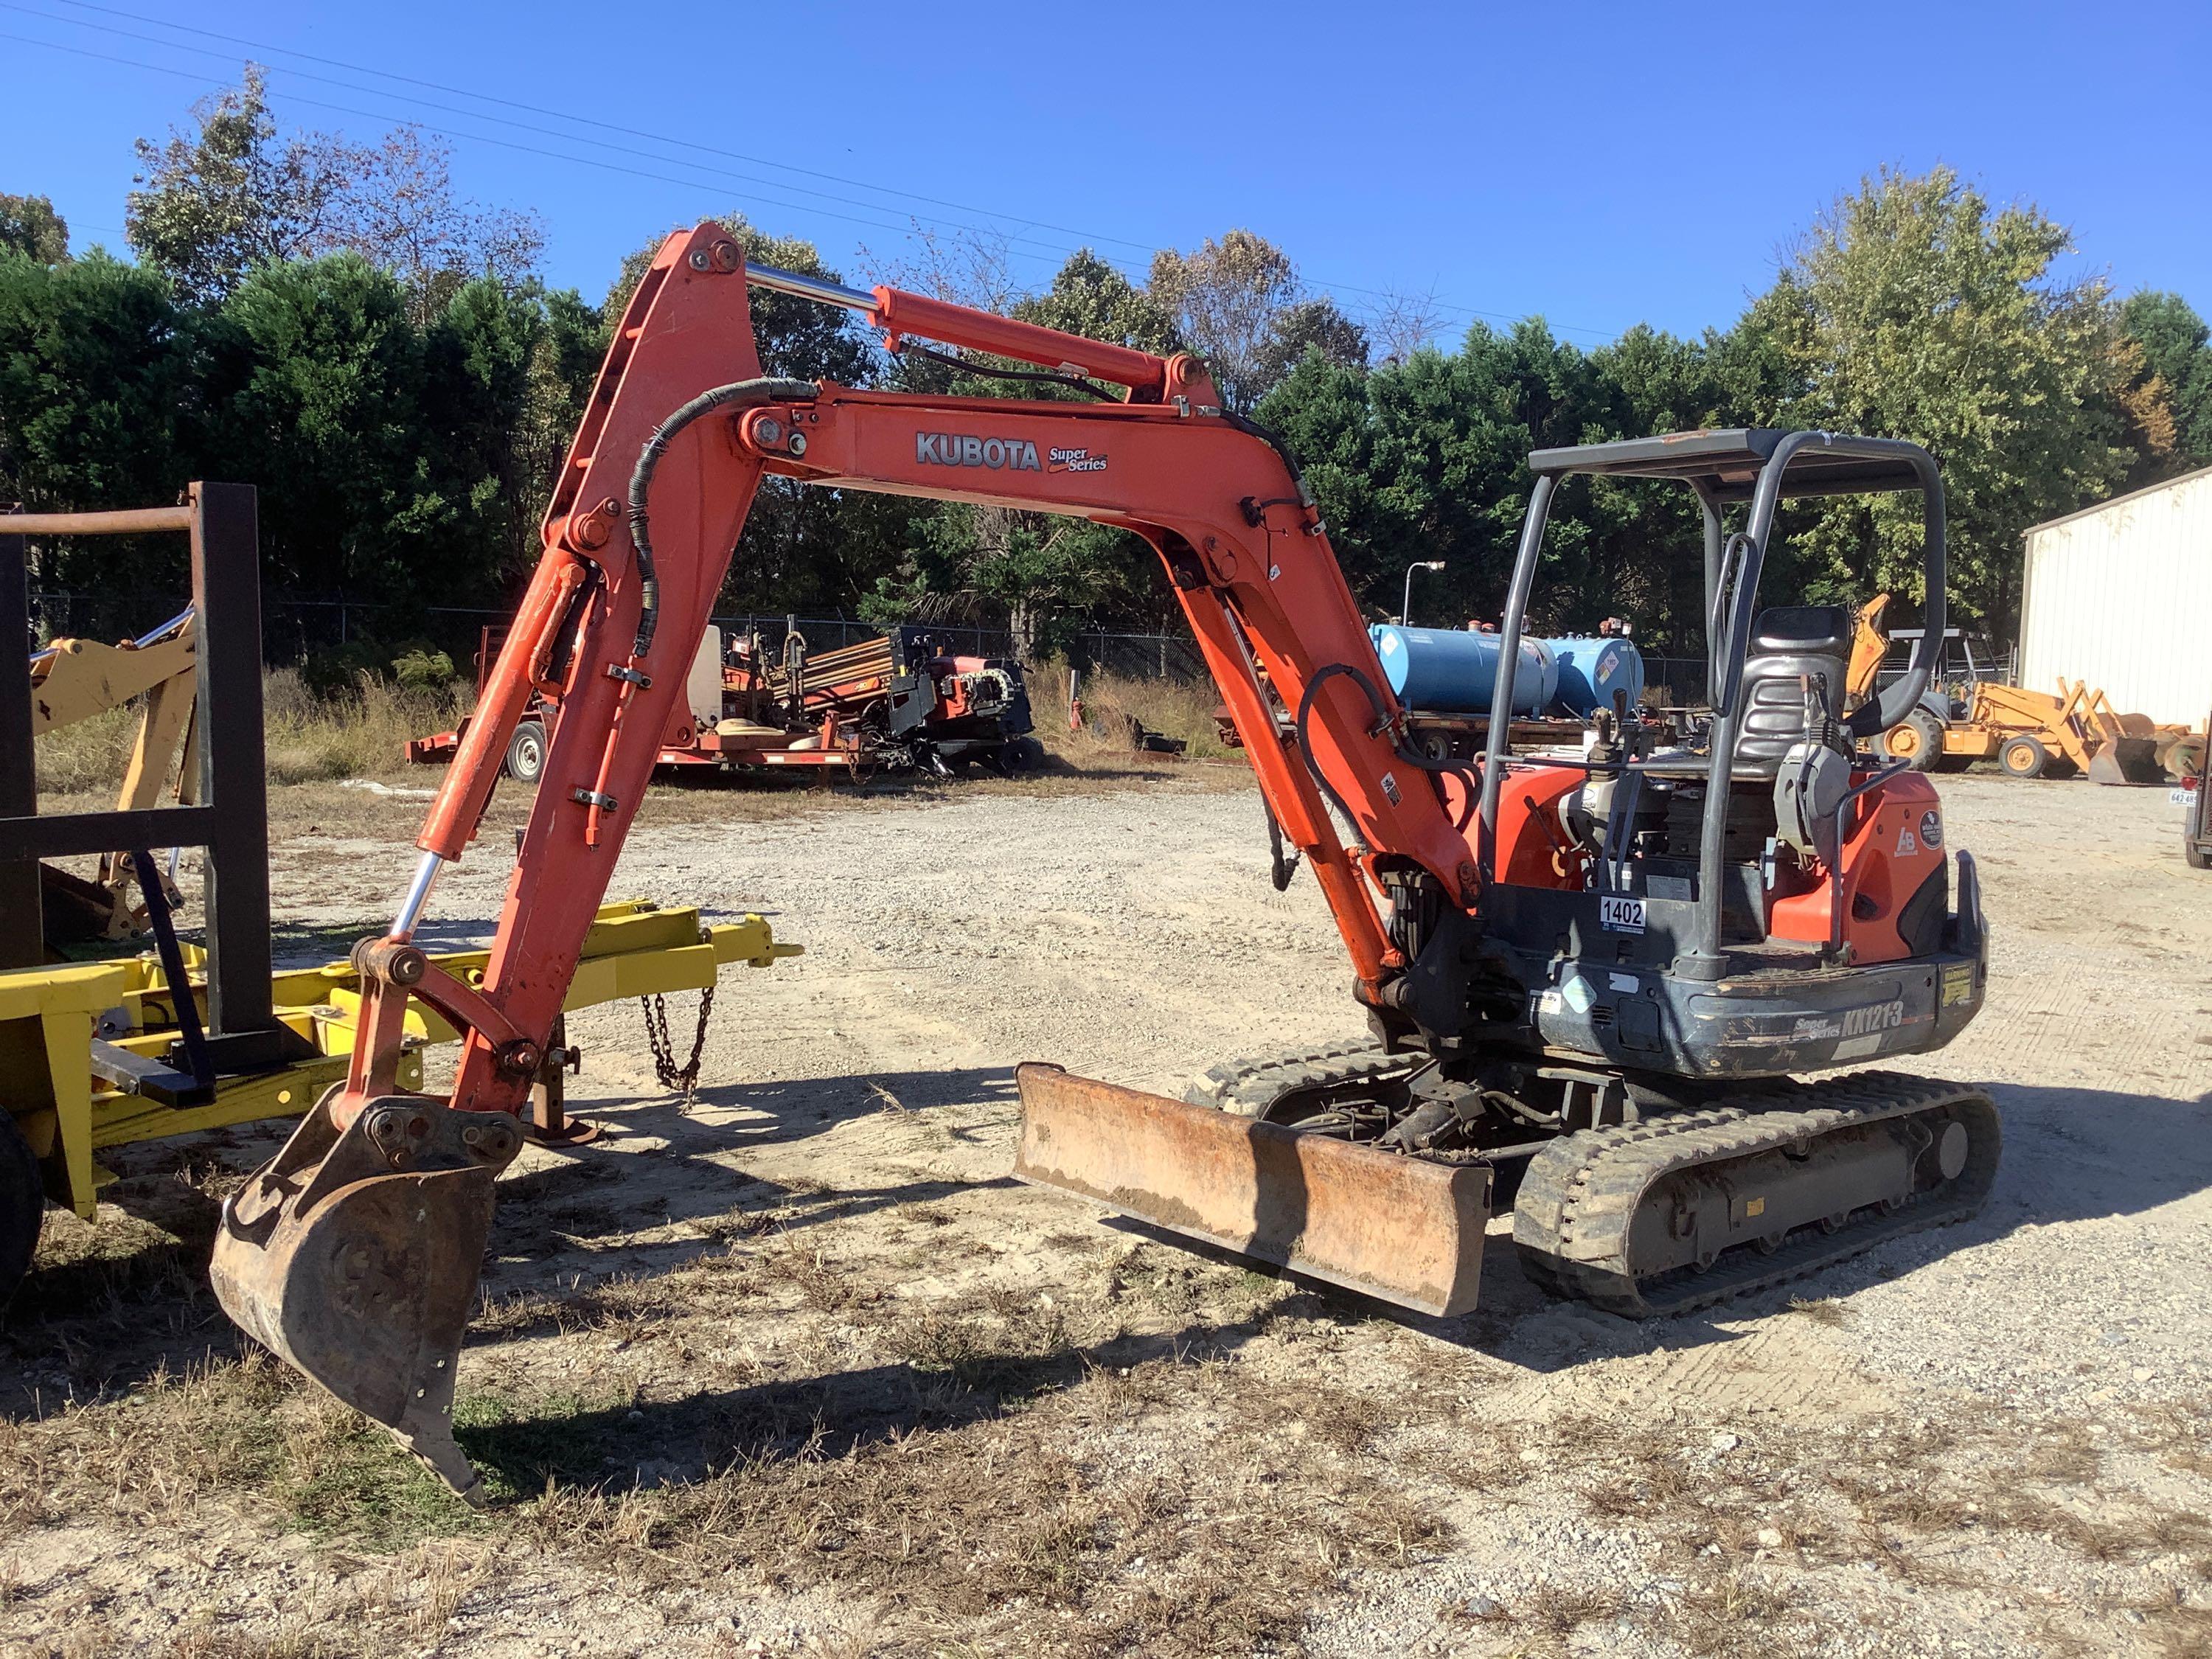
(22, 925)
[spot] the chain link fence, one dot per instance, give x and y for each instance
(294, 629)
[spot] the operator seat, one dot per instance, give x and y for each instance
(1789, 644)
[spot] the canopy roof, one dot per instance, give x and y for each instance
(1727, 462)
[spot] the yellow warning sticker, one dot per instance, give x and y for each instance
(1958, 984)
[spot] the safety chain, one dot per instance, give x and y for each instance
(663, 1051)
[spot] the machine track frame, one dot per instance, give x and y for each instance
(1579, 1201)
(1253, 1086)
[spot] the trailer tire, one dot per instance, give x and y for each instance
(22, 1205)
(1918, 740)
(2024, 757)
(2198, 853)
(1021, 755)
(526, 753)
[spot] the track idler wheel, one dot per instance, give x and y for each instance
(354, 1255)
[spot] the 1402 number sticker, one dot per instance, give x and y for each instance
(1621, 915)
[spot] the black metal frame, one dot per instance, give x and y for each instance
(231, 819)
(1761, 467)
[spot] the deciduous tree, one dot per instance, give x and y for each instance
(2170, 395)
(235, 194)
(29, 226)
(1914, 309)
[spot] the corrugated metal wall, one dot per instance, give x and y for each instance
(2121, 595)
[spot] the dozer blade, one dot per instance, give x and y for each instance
(1392, 1227)
(354, 1254)
(2126, 760)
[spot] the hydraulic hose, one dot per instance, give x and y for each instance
(744, 394)
(1382, 713)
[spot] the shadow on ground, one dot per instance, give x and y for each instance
(130, 1299)
(678, 1441)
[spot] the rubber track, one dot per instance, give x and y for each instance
(1571, 1219)
(1246, 1088)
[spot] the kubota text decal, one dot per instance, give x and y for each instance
(958, 449)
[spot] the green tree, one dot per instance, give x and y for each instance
(800, 339)
(99, 405)
(1311, 326)
(318, 383)
(220, 201)
(805, 548)
(235, 194)
(2170, 396)
(1238, 302)
(1912, 309)
(30, 225)
(1043, 573)
(1090, 297)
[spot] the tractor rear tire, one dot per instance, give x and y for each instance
(1918, 740)
(22, 1205)
(526, 753)
(2024, 757)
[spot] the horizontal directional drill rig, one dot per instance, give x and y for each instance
(1590, 978)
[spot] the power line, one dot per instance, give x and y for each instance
(1041, 250)
(200, 79)
(524, 126)
(570, 117)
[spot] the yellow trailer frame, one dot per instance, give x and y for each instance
(49, 1016)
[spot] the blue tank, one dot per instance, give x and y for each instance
(1447, 671)
(1591, 671)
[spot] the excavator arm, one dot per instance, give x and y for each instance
(356, 1252)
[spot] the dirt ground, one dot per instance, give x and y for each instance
(798, 1370)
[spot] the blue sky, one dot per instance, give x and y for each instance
(1602, 165)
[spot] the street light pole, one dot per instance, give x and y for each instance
(1405, 606)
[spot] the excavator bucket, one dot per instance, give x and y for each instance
(354, 1254)
(2126, 760)
(1395, 1228)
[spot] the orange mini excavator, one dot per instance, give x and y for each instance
(1586, 977)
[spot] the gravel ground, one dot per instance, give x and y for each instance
(1988, 1440)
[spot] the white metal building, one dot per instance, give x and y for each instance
(2120, 595)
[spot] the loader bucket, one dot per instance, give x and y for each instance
(2126, 760)
(1392, 1227)
(354, 1254)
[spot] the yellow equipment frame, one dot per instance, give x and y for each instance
(49, 1016)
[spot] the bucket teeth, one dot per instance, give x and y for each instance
(354, 1254)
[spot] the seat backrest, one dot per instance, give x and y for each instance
(1790, 643)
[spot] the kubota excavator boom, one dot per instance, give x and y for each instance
(356, 1251)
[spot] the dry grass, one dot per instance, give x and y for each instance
(1933, 1503)
(309, 739)
(363, 733)
(220, 1431)
(1182, 710)
(1059, 1520)
(88, 755)
(1082, 1471)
